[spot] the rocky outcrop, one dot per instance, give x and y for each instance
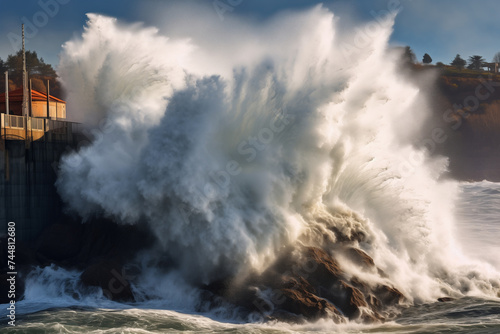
(74, 244)
(308, 283)
(99, 248)
(359, 257)
(60, 242)
(110, 277)
(302, 302)
(304, 283)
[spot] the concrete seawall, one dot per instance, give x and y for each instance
(28, 196)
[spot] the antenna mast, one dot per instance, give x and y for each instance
(25, 81)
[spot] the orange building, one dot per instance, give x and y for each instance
(57, 107)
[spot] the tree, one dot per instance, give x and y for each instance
(409, 56)
(37, 70)
(458, 62)
(439, 64)
(3, 68)
(427, 59)
(496, 57)
(34, 66)
(475, 62)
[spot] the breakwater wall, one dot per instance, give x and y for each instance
(28, 197)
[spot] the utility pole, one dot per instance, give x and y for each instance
(25, 105)
(48, 99)
(25, 81)
(7, 92)
(31, 100)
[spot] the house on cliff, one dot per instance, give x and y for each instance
(37, 105)
(42, 117)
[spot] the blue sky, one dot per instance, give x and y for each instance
(441, 28)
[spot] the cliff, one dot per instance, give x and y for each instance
(465, 122)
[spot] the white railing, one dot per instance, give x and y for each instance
(13, 121)
(38, 124)
(53, 130)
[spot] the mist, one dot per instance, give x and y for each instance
(232, 149)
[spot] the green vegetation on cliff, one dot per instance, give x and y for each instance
(38, 71)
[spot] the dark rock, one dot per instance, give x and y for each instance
(310, 283)
(358, 283)
(284, 316)
(110, 276)
(307, 283)
(371, 318)
(218, 287)
(73, 244)
(103, 238)
(388, 295)
(99, 247)
(374, 302)
(351, 299)
(359, 257)
(324, 270)
(97, 240)
(302, 302)
(300, 282)
(355, 236)
(445, 299)
(60, 242)
(242, 296)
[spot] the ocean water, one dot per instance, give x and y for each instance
(478, 212)
(467, 315)
(478, 221)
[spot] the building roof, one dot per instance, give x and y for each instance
(16, 95)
